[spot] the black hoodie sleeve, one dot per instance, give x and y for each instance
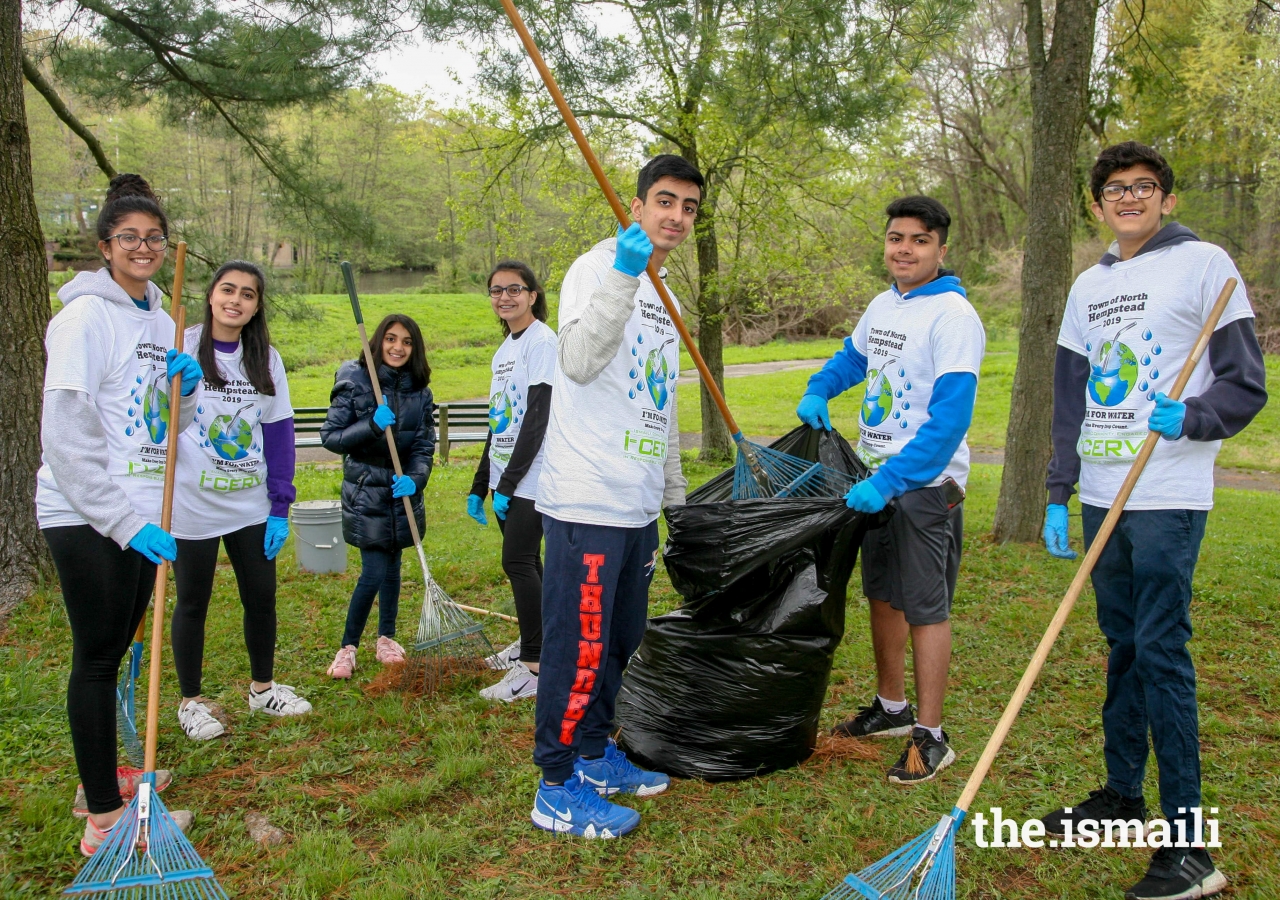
(532, 431)
(480, 484)
(1070, 381)
(1239, 388)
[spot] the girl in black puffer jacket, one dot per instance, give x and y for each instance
(373, 516)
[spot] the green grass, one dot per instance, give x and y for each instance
(384, 797)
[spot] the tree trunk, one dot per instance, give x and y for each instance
(1059, 93)
(716, 443)
(24, 293)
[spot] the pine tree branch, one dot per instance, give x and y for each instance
(33, 75)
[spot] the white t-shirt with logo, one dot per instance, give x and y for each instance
(519, 363)
(115, 354)
(607, 440)
(909, 344)
(221, 483)
(1137, 321)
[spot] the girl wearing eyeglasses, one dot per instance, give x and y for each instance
(519, 407)
(234, 487)
(105, 426)
(373, 514)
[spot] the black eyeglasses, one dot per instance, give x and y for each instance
(128, 241)
(1113, 193)
(513, 290)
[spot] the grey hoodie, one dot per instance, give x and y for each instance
(72, 437)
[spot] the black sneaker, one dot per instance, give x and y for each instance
(1107, 803)
(1178, 873)
(876, 721)
(924, 758)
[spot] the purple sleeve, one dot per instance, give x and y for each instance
(280, 455)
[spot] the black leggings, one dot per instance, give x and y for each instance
(256, 577)
(106, 591)
(522, 561)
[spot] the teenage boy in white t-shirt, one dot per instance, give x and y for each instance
(612, 462)
(918, 347)
(1129, 326)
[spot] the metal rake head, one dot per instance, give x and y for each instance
(147, 857)
(778, 474)
(448, 640)
(126, 710)
(924, 869)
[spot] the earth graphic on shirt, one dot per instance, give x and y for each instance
(155, 409)
(230, 436)
(500, 412)
(656, 374)
(1113, 374)
(877, 402)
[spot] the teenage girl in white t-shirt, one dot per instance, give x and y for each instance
(98, 494)
(234, 487)
(519, 406)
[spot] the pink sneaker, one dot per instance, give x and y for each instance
(128, 778)
(344, 663)
(389, 652)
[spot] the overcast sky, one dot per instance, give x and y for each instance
(446, 71)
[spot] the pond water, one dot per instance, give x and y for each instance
(385, 282)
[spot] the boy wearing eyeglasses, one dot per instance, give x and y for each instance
(612, 463)
(1130, 323)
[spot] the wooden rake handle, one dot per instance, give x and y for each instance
(349, 277)
(166, 515)
(624, 216)
(1086, 567)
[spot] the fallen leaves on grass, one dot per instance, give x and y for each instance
(833, 749)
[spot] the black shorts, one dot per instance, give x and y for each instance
(912, 562)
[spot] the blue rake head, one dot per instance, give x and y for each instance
(147, 857)
(924, 869)
(126, 708)
(778, 474)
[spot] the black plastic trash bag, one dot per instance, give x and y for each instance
(731, 684)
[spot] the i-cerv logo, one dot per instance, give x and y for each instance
(644, 448)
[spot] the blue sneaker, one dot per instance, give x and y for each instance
(574, 807)
(613, 773)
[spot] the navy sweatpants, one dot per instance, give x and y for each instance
(595, 601)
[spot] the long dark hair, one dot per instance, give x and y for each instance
(531, 282)
(129, 194)
(255, 340)
(419, 370)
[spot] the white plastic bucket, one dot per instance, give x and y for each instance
(317, 524)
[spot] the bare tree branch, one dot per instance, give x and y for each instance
(37, 80)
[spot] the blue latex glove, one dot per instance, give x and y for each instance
(403, 486)
(1167, 418)
(154, 543)
(813, 412)
(865, 497)
(634, 250)
(475, 508)
(187, 367)
(277, 532)
(501, 503)
(383, 417)
(1055, 532)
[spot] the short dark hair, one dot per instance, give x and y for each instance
(419, 369)
(255, 339)
(539, 308)
(929, 211)
(1126, 155)
(667, 165)
(126, 194)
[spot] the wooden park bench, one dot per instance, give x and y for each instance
(466, 422)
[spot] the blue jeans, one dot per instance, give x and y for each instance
(595, 604)
(379, 576)
(1143, 584)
